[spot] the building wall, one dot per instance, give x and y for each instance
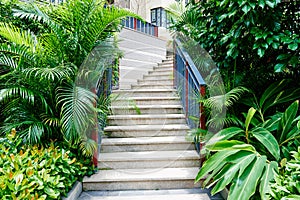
(143, 7)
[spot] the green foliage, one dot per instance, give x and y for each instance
(246, 156)
(35, 172)
(249, 40)
(46, 78)
(286, 185)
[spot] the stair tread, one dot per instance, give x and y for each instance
(144, 90)
(152, 174)
(147, 140)
(157, 197)
(148, 127)
(148, 116)
(148, 98)
(148, 106)
(149, 156)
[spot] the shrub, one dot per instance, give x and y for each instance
(287, 182)
(36, 172)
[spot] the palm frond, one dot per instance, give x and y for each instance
(9, 62)
(77, 111)
(51, 74)
(223, 101)
(30, 96)
(88, 147)
(175, 10)
(18, 36)
(20, 51)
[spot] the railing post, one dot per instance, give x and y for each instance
(202, 115)
(135, 24)
(155, 31)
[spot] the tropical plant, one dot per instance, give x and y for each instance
(45, 88)
(246, 39)
(245, 157)
(286, 185)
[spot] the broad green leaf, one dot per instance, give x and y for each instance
(279, 67)
(268, 175)
(275, 45)
(286, 121)
(213, 162)
(246, 8)
(261, 52)
(249, 117)
(261, 3)
(216, 170)
(227, 174)
(244, 186)
(291, 197)
(225, 134)
(293, 46)
(270, 4)
(224, 177)
(267, 140)
(230, 145)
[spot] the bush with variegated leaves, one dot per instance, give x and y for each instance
(36, 172)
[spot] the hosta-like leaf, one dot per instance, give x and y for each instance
(227, 174)
(285, 124)
(244, 186)
(225, 134)
(268, 175)
(213, 162)
(230, 145)
(267, 140)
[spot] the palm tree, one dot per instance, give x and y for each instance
(39, 72)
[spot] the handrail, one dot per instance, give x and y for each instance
(190, 84)
(141, 26)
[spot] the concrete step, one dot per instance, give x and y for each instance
(153, 197)
(146, 130)
(146, 101)
(168, 81)
(161, 72)
(146, 109)
(174, 194)
(146, 119)
(163, 67)
(157, 77)
(152, 86)
(139, 179)
(146, 92)
(167, 143)
(149, 159)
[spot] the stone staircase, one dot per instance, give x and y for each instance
(144, 152)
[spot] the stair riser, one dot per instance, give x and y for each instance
(150, 147)
(148, 164)
(147, 94)
(161, 73)
(146, 102)
(163, 67)
(155, 82)
(161, 77)
(121, 122)
(141, 185)
(118, 111)
(158, 133)
(152, 86)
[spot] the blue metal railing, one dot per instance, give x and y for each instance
(190, 85)
(140, 26)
